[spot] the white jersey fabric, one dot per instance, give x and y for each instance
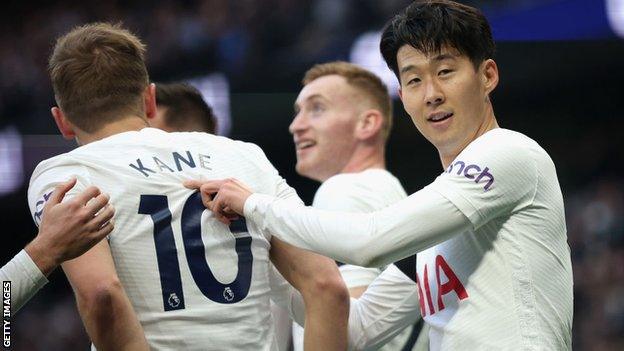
(365, 191)
(194, 283)
(494, 266)
(24, 279)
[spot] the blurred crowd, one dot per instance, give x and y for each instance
(596, 236)
(235, 37)
(240, 38)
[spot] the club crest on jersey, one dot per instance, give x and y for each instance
(472, 172)
(228, 294)
(173, 301)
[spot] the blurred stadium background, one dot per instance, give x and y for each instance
(561, 83)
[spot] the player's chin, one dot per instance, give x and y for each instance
(305, 167)
(300, 167)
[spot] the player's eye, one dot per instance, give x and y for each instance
(317, 108)
(413, 81)
(445, 72)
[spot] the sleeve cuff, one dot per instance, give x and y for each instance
(31, 270)
(255, 204)
(355, 276)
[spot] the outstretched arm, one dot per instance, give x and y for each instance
(422, 220)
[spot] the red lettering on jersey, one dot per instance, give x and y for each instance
(421, 302)
(428, 291)
(453, 284)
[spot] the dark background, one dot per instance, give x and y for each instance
(561, 84)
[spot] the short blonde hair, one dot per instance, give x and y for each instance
(364, 81)
(98, 74)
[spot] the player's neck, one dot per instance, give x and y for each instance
(447, 157)
(365, 159)
(128, 124)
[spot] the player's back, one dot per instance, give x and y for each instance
(193, 282)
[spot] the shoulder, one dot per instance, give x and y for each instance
(246, 152)
(56, 166)
(364, 191)
(504, 143)
(497, 154)
(50, 173)
(371, 180)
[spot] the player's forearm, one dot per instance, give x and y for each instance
(110, 320)
(46, 260)
(25, 279)
(411, 225)
(327, 312)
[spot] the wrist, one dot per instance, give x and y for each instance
(42, 256)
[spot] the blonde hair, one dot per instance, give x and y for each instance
(361, 79)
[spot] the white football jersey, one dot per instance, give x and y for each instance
(494, 267)
(364, 191)
(194, 283)
(506, 284)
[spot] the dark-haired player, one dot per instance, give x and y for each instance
(494, 269)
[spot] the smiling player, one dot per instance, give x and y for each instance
(494, 268)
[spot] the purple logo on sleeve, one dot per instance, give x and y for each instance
(472, 172)
(39, 207)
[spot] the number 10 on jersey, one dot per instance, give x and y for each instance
(157, 207)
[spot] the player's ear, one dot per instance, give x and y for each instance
(66, 129)
(369, 125)
(149, 98)
(400, 93)
(489, 75)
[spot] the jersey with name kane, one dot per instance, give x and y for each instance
(194, 283)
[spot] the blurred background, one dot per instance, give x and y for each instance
(561, 83)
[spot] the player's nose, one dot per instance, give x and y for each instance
(433, 93)
(298, 124)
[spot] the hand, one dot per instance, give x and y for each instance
(71, 228)
(229, 197)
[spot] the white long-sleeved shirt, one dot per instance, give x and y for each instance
(494, 267)
(364, 192)
(25, 277)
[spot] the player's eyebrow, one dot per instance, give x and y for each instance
(437, 58)
(407, 68)
(309, 98)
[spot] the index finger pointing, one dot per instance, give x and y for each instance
(205, 186)
(87, 195)
(193, 183)
(60, 190)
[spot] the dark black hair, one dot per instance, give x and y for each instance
(186, 109)
(429, 25)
